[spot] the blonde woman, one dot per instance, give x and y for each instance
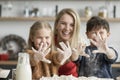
(67, 40)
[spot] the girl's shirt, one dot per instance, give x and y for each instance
(41, 68)
(97, 65)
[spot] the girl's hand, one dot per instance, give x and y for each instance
(41, 53)
(80, 50)
(65, 52)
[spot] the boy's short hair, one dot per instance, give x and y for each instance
(96, 22)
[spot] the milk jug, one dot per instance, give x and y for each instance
(23, 70)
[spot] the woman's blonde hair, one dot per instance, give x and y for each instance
(37, 26)
(76, 18)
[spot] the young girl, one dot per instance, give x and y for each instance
(40, 40)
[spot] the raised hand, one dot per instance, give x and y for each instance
(100, 43)
(80, 50)
(65, 52)
(41, 53)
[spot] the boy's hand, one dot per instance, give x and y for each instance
(80, 50)
(41, 53)
(100, 43)
(65, 52)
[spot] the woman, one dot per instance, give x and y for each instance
(67, 40)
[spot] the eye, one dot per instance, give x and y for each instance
(39, 37)
(101, 32)
(92, 32)
(72, 25)
(63, 23)
(47, 37)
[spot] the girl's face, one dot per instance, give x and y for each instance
(42, 36)
(102, 32)
(65, 27)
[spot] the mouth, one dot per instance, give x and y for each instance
(66, 34)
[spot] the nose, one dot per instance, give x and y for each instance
(67, 27)
(43, 40)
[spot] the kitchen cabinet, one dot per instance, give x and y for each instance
(18, 10)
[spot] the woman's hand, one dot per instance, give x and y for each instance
(41, 53)
(65, 52)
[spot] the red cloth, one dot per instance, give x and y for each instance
(69, 68)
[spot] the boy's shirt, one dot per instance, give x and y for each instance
(97, 65)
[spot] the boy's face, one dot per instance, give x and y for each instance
(42, 36)
(102, 33)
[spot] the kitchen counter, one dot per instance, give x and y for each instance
(12, 65)
(116, 65)
(8, 62)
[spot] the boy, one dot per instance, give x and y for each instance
(101, 56)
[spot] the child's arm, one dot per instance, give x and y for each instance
(110, 53)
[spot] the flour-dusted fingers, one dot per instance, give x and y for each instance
(63, 45)
(93, 42)
(44, 47)
(46, 60)
(34, 50)
(40, 55)
(99, 36)
(65, 53)
(40, 47)
(63, 61)
(82, 53)
(95, 51)
(47, 51)
(68, 45)
(74, 50)
(60, 51)
(37, 56)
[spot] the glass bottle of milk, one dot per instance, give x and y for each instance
(23, 71)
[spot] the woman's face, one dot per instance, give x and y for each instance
(65, 27)
(42, 36)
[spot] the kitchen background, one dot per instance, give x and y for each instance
(42, 8)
